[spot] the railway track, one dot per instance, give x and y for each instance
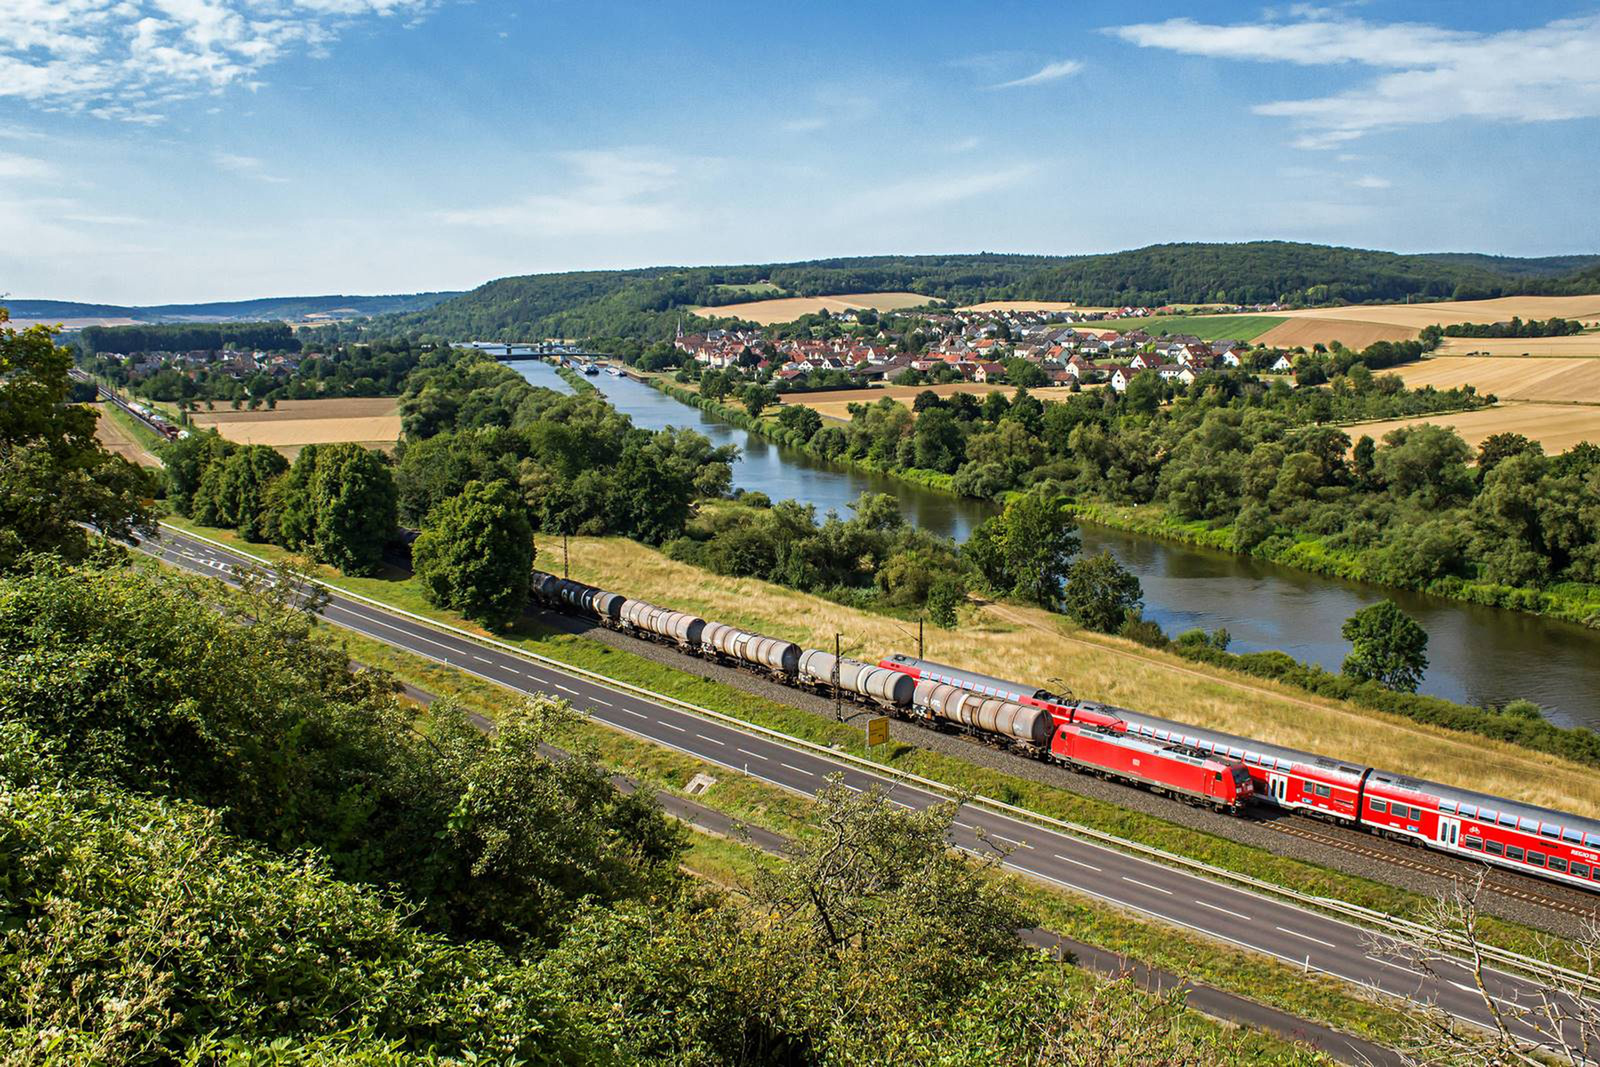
(1499, 882)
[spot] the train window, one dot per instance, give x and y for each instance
(1474, 843)
(1513, 852)
(1380, 806)
(1536, 858)
(1469, 811)
(1447, 806)
(1216, 776)
(1236, 753)
(1557, 863)
(1494, 848)
(1573, 836)
(1592, 840)
(1530, 825)
(1323, 791)
(1580, 870)
(1486, 815)
(1550, 831)
(1508, 820)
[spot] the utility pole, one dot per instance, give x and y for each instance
(563, 555)
(919, 636)
(838, 703)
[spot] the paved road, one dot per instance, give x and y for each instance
(1302, 938)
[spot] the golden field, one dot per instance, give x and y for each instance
(836, 404)
(1446, 312)
(1031, 305)
(116, 438)
(1353, 334)
(373, 421)
(1555, 426)
(789, 308)
(1583, 345)
(1031, 644)
(1564, 381)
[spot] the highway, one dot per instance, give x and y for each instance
(1297, 936)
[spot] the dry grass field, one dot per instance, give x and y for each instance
(117, 439)
(1583, 345)
(372, 421)
(1027, 643)
(787, 309)
(1555, 426)
(1564, 381)
(836, 404)
(1353, 334)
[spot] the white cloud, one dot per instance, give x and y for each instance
(1371, 181)
(248, 166)
(615, 193)
(1048, 73)
(24, 167)
(125, 59)
(808, 124)
(1430, 74)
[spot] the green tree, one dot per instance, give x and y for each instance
(757, 398)
(1387, 646)
(1026, 549)
(234, 491)
(54, 474)
(354, 506)
(1101, 594)
(944, 597)
(475, 553)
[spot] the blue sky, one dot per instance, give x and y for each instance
(176, 150)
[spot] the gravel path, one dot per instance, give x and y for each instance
(1253, 830)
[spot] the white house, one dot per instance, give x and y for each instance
(1283, 364)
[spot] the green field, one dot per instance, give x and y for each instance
(1205, 327)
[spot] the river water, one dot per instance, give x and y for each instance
(1477, 655)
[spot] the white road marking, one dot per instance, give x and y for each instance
(480, 659)
(671, 726)
(1390, 963)
(1308, 937)
(792, 767)
(636, 714)
(597, 700)
(713, 740)
(747, 752)
(564, 689)
(1225, 911)
(1080, 863)
(1147, 885)
(1007, 840)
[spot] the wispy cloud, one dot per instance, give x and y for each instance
(126, 59)
(806, 124)
(24, 167)
(1432, 74)
(249, 166)
(933, 191)
(1371, 181)
(1050, 72)
(618, 192)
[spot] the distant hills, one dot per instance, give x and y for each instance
(287, 308)
(647, 303)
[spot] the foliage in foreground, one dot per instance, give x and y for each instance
(198, 801)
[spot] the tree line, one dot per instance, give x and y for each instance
(188, 337)
(1551, 327)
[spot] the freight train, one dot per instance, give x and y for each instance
(1199, 766)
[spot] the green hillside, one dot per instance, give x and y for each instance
(648, 303)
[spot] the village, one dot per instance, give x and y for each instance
(978, 346)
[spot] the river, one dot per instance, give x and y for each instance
(1477, 655)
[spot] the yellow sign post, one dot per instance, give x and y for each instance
(878, 731)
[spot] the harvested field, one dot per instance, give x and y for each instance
(1567, 381)
(1205, 327)
(1416, 316)
(117, 439)
(371, 421)
(835, 405)
(1032, 644)
(1580, 345)
(1297, 333)
(787, 309)
(1555, 426)
(1031, 305)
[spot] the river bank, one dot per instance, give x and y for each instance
(1570, 602)
(1480, 656)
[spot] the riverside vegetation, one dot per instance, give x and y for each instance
(1247, 466)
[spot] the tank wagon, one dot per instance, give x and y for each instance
(863, 681)
(1061, 709)
(993, 718)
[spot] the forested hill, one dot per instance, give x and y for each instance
(275, 307)
(647, 303)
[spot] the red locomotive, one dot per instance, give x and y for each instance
(1162, 767)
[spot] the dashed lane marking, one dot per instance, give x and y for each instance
(1147, 885)
(792, 767)
(747, 752)
(713, 740)
(1080, 863)
(1308, 937)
